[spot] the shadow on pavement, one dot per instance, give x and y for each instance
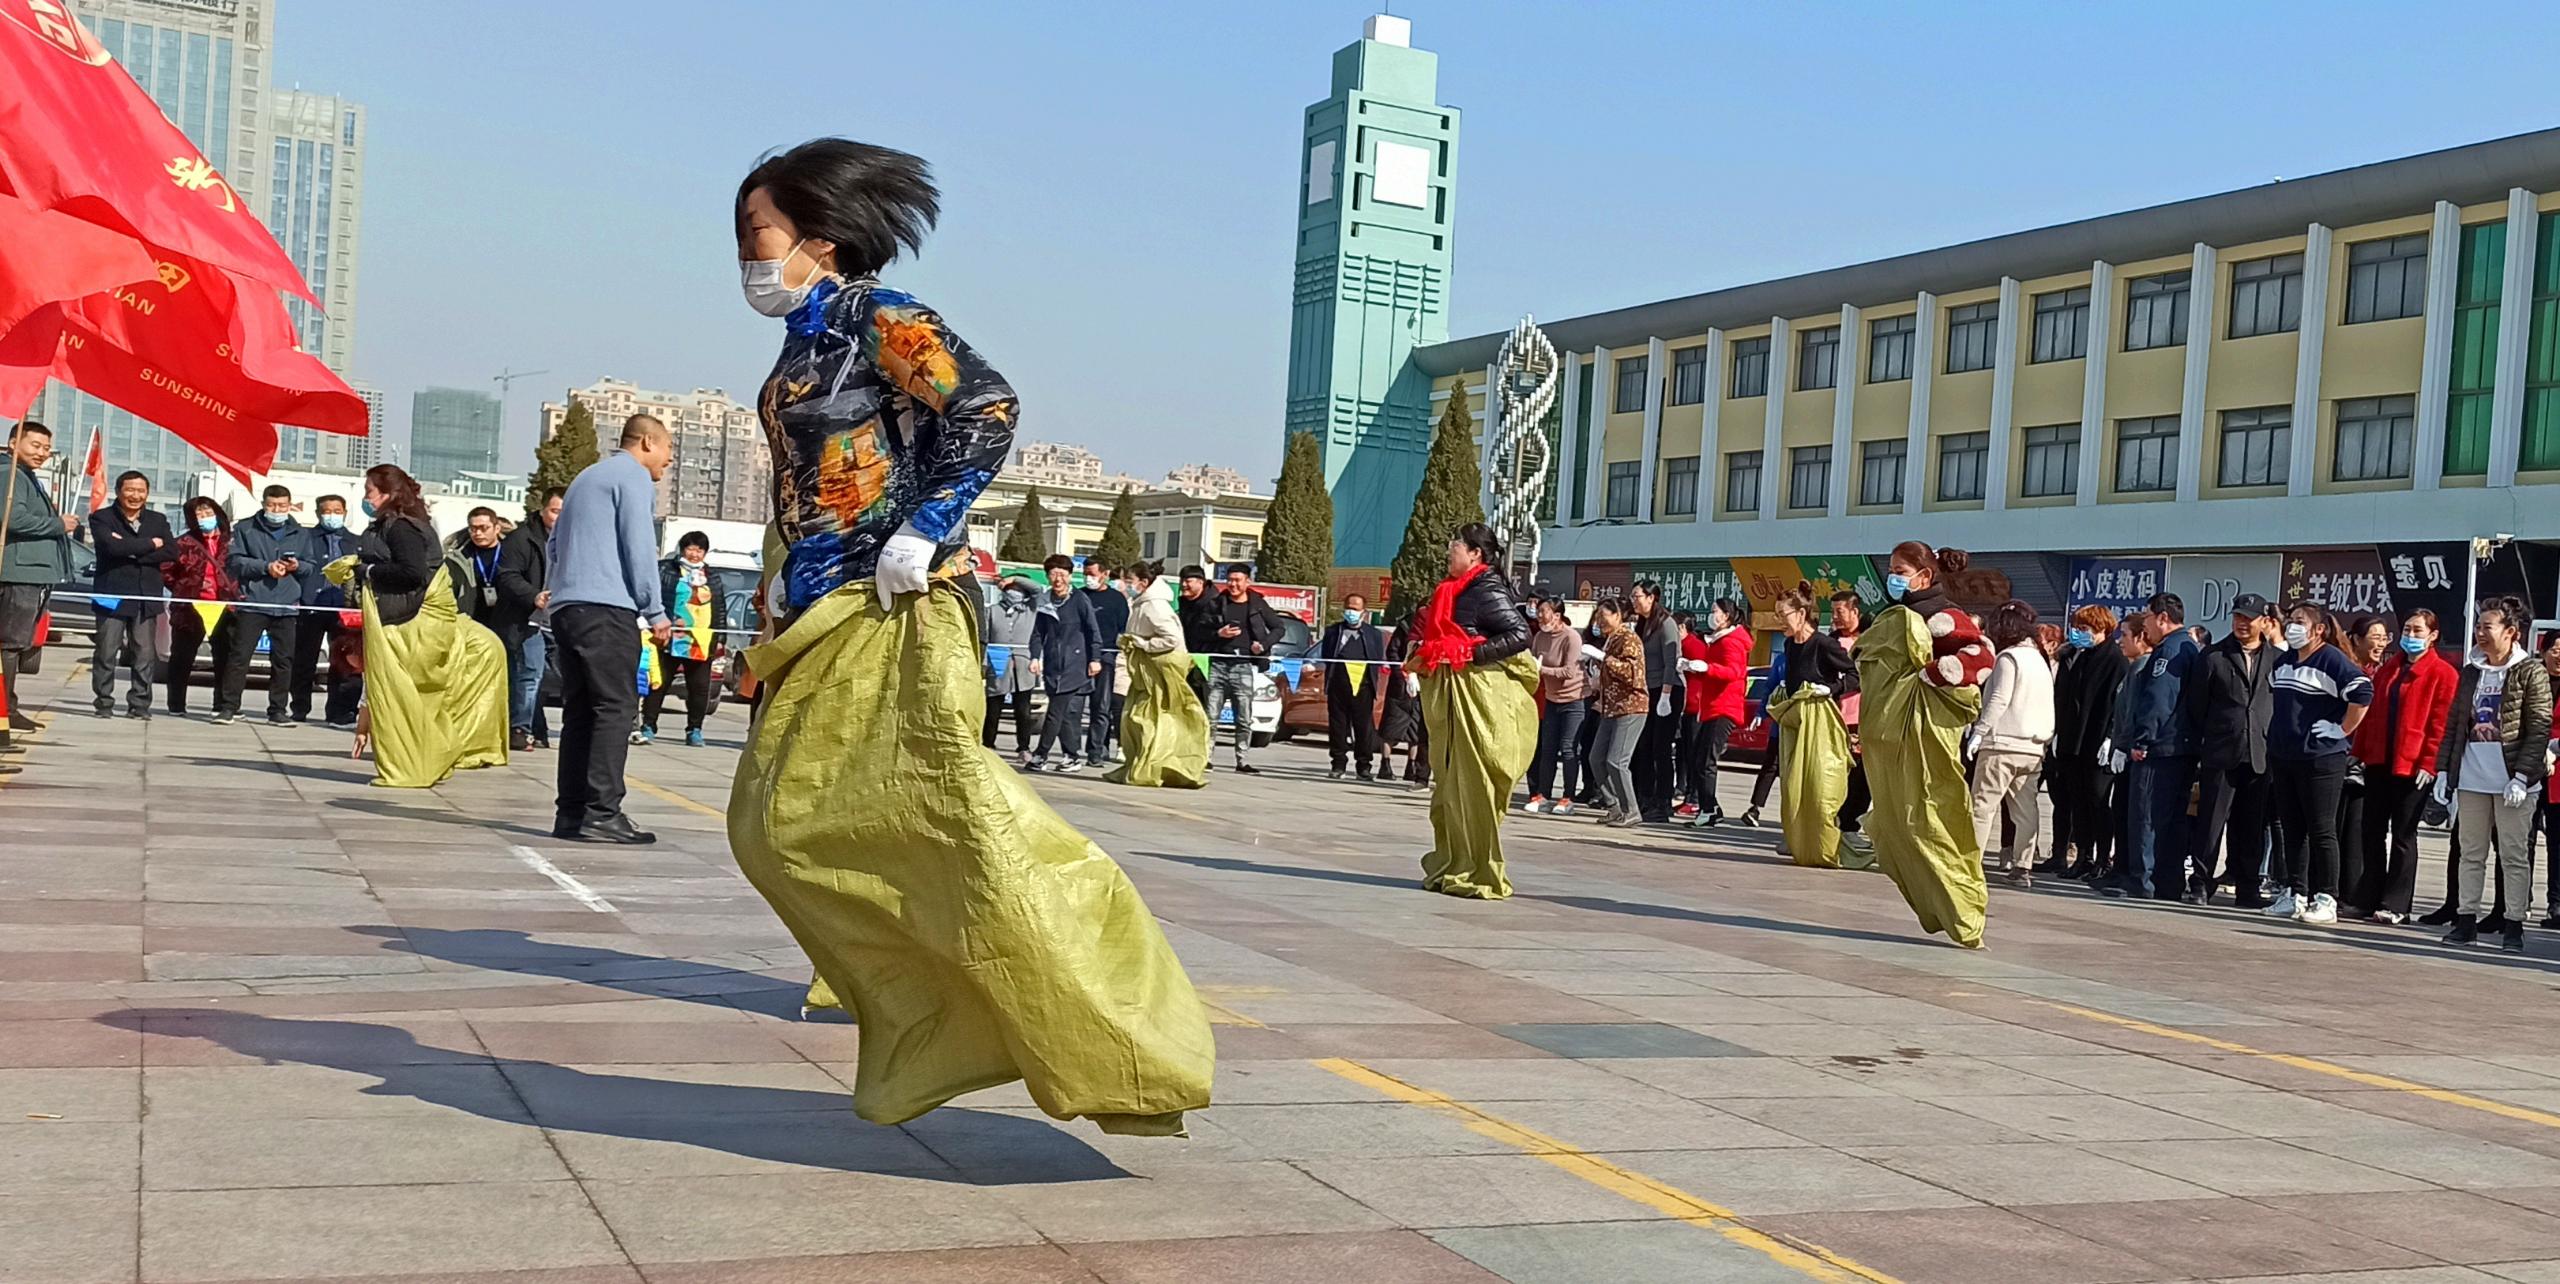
(393, 811)
(507, 950)
(772, 1125)
(1233, 866)
(273, 767)
(2421, 943)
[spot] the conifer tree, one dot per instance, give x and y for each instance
(1297, 532)
(1028, 541)
(1119, 544)
(567, 452)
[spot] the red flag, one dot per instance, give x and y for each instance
(96, 469)
(78, 258)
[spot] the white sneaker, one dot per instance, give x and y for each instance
(2324, 909)
(2284, 906)
(1535, 805)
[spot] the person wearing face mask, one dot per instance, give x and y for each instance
(1351, 715)
(321, 628)
(435, 693)
(2493, 761)
(133, 543)
(978, 937)
(1066, 652)
(1564, 701)
(524, 601)
(1011, 619)
(2398, 743)
(1164, 730)
(2233, 700)
(696, 608)
(1717, 661)
(267, 554)
(1109, 600)
(1920, 669)
(2084, 686)
(2321, 697)
(201, 572)
(2008, 741)
(2160, 756)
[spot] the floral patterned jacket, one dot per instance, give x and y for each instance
(878, 417)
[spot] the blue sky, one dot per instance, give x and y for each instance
(549, 184)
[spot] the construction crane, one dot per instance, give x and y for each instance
(506, 381)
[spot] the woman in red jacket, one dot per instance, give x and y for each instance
(2397, 743)
(202, 573)
(1718, 672)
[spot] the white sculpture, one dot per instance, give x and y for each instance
(1517, 458)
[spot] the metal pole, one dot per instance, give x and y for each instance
(2471, 590)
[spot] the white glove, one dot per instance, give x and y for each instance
(1693, 666)
(2107, 750)
(1662, 706)
(1815, 688)
(1973, 743)
(1593, 653)
(2444, 792)
(1412, 684)
(2327, 730)
(2424, 778)
(904, 563)
(2116, 763)
(2518, 791)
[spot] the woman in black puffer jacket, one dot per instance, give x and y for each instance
(1480, 710)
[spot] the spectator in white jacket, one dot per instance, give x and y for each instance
(2008, 740)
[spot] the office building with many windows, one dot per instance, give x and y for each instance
(452, 431)
(2361, 360)
(723, 470)
(314, 204)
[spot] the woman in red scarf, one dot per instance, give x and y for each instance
(1479, 713)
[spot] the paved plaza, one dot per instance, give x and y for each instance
(259, 1020)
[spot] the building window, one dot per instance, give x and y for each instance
(1237, 548)
(2155, 311)
(1680, 486)
(2146, 454)
(2256, 446)
(1880, 470)
(1972, 331)
(1631, 377)
(1750, 367)
(1818, 359)
(2053, 462)
(2266, 296)
(1148, 545)
(1742, 482)
(2387, 279)
(1889, 348)
(1624, 481)
(1689, 376)
(2376, 438)
(2062, 325)
(1173, 543)
(1962, 459)
(1809, 477)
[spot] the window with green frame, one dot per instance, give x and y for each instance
(2542, 355)
(2467, 419)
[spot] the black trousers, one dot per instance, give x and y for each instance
(1022, 720)
(315, 632)
(2307, 792)
(2097, 813)
(597, 649)
(1656, 758)
(1351, 730)
(2158, 811)
(1584, 741)
(2352, 797)
(186, 639)
(231, 671)
(2064, 793)
(1064, 725)
(1854, 809)
(2231, 816)
(696, 672)
(123, 640)
(1702, 746)
(1767, 777)
(1102, 712)
(2388, 871)
(1559, 745)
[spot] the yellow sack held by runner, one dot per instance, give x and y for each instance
(1164, 733)
(1482, 722)
(1922, 823)
(435, 690)
(1813, 775)
(976, 937)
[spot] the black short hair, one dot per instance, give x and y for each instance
(2168, 604)
(275, 492)
(131, 474)
(490, 513)
(325, 500)
(1849, 596)
(1480, 537)
(865, 200)
(691, 539)
(1058, 562)
(29, 425)
(1193, 573)
(1685, 619)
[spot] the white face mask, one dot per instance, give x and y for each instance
(2297, 636)
(762, 281)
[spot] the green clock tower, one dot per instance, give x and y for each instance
(1378, 186)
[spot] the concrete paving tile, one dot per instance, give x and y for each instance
(217, 1038)
(1375, 1257)
(1708, 1011)
(1869, 1121)
(1475, 1190)
(1362, 1041)
(1029, 1264)
(1778, 985)
(1597, 983)
(640, 1042)
(2207, 1237)
(2462, 1074)
(2082, 1116)
(706, 1219)
(1641, 1039)
(2034, 1172)
(58, 1238)
(1711, 1079)
(1191, 1200)
(79, 1094)
(244, 967)
(1931, 1076)
(2442, 1158)
(2254, 1166)
(1509, 1079)
(610, 1096)
(583, 1004)
(17, 937)
(1796, 1179)
(70, 965)
(326, 1092)
(2448, 1225)
(2120, 1074)
(2404, 1275)
(1334, 1009)
(1352, 1131)
(1877, 1010)
(1022, 1145)
(62, 1157)
(207, 1153)
(1619, 1252)
(2527, 1272)
(1660, 1121)
(318, 1231)
(2261, 1112)
(1950, 1246)
(1260, 1082)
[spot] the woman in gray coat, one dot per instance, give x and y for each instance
(1010, 621)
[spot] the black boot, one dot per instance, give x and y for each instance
(2512, 940)
(2464, 932)
(2438, 917)
(2497, 925)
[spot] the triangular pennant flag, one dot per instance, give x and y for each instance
(106, 603)
(999, 658)
(1295, 671)
(208, 612)
(1359, 669)
(1201, 662)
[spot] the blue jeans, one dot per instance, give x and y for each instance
(527, 657)
(2157, 815)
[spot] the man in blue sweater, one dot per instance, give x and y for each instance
(2161, 749)
(267, 556)
(604, 585)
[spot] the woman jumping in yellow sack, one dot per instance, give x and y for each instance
(1479, 712)
(1920, 671)
(1164, 733)
(435, 683)
(976, 937)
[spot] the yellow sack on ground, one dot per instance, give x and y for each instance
(1922, 823)
(1813, 775)
(1482, 722)
(1164, 733)
(435, 688)
(975, 936)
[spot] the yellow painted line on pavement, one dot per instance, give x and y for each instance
(1810, 1260)
(666, 795)
(2316, 1066)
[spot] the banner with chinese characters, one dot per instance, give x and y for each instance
(1595, 580)
(2209, 583)
(2348, 581)
(2120, 584)
(1763, 579)
(2431, 575)
(1690, 585)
